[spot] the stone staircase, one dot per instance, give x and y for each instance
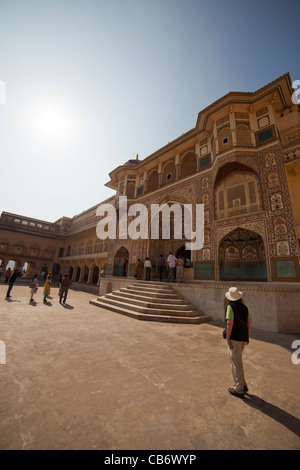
(151, 301)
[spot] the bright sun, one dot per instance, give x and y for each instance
(53, 124)
(50, 126)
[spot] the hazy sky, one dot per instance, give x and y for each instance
(91, 83)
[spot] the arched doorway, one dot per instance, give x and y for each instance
(71, 271)
(242, 256)
(78, 274)
(12, 264)
(85, 274)
(121, 262)
(56, 269)
(185, 254)
(95, 275)
(30, 268)
(171, 225)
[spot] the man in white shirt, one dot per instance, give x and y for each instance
(171, 265)
(148, 267)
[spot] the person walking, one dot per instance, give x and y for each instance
(64, 288)
(17, 273)
(7, 275)
(148, 267)
(238, 324)
(160, 266)
(138, 269)
(179, 269)
(34, 286)
(47, 287)
(171, 265)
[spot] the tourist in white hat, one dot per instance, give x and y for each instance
(238, 324)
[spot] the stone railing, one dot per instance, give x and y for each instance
(26, 223)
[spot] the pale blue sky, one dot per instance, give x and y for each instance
(91, 83)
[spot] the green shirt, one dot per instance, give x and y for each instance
(230, 314)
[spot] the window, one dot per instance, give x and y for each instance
(265, 136)
(205, 161)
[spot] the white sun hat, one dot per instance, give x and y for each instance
(233, 294)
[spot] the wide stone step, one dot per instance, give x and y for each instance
(151, 288)
(151, 293)
(165, 305)
(152, 317)
(107, 299)
(146, 300)
(163, 300)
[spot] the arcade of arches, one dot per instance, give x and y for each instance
(26, 242)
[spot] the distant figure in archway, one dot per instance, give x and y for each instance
(138, 270)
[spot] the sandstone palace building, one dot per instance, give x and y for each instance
(241, 161)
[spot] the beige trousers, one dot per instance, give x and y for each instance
(236, 362)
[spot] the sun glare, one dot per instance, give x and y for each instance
(53, 122)
(52, 128)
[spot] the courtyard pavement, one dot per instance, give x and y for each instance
(80, 377)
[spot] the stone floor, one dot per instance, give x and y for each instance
(79, 377)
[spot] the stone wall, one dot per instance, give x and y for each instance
(272, 307)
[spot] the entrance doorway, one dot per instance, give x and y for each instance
(95, 275)
(242, 256)
(78, 274)
(121, 262)
(185, 254)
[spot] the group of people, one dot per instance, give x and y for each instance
(237, 316)
(7, 274)
(64, 284)
(173, 265)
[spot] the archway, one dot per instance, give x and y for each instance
(121, 262)
(78, 274)
(95, 275)
(85, 274)
(30, 268)
(242, 256)
(56, 269)
(12, 264)
(185, 254)
(171, 225)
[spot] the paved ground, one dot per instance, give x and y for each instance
(79, 377)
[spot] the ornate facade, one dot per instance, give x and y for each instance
(241, 161)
